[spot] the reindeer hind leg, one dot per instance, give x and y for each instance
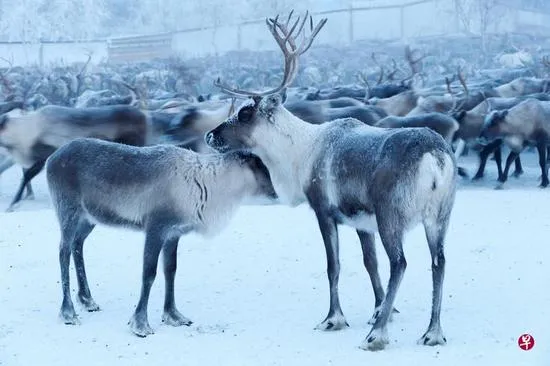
(84, 294)
(436, 229)
(391, 233)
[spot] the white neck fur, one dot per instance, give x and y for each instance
(287, 148)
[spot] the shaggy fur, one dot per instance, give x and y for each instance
(369, 178)
(162, 190)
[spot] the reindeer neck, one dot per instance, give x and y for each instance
(288, 153)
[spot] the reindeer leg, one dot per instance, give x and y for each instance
(498, 159)
(518, 171)
(154, 240)
(484, 155)
(69, 223)
(392, 239)
(541, 147)
(28, 175)
(436, 229)
(29, 195)
(171, 314)
(335, 319)
(509, 160)
(371, 265)
(84, 294)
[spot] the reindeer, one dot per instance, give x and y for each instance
(388, 89)
(526, 123)
(523, 86)
(369, 178)
(471, 123)
(162, 190)
(189, 126)
(31, 138)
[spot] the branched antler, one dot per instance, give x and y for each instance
(381, 77)
(283, 36)
(414, 64)
(5, 82)
(460, 76)
(364, 80)
(391, 75)
(80, 75)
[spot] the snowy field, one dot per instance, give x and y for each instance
(257, 290)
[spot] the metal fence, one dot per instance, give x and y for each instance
(404, 21)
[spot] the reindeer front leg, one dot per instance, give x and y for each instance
(335, 319)
(541, 147)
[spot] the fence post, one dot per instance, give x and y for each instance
(350, 24)
(239, 37)
(41, 54)
(402, 22)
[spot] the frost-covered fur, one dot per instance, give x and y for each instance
(523, 86)
(397, 105)
(373, 179)
(441, 123)
(162, 190)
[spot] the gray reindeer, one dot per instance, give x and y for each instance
(163, 190)
(372, 179)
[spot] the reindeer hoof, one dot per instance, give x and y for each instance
(518, 174)
(175, 318)
(335, 322)
(433, 337)
(375, 341)
(140, 327)
(89, 304)
(69, 317)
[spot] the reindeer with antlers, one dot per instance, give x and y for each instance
(369, 178)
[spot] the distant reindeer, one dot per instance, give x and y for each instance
(369, 178)
(162, 190)
(527, 123)
(31, 138)
(471, 123)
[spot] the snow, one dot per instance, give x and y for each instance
(256, 291)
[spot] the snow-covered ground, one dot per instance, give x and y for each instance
(257, 290)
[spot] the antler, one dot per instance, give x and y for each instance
(363, 79)
(282, 36)
(462, 80)
(381, 77)
(449, 82)
(3, 79)
(391, 75)
(415, 65)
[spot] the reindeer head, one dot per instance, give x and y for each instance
(492, 125)
(254, 119)
(264, 114)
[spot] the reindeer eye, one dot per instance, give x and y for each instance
(246, 114)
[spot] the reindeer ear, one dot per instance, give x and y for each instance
(272, 101)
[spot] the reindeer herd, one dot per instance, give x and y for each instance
(378, 158)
